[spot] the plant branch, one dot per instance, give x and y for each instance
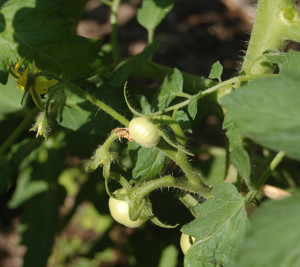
(276, 22)
(190, 202)
(195, 183)
(140, 191)
(78, 91)
(274, 163)
(215, 88)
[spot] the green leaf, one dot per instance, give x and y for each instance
(171, 87)
(241, 161)
(153, 12)
(192, 106)
(267, 111)
(183, 120)
(169, 257)
(81, 115)
(219, 228)
(150, 163)
(232, 132)
(237, 154)
(26, 189)
(10, 97)
(216, 71)
(122, 71)
(214, 167)
(146, 107)
(289, 61)
(35, 30)
(273, 235)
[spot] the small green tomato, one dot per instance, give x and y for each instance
(144, 132)
(119, 210)
(186, 242)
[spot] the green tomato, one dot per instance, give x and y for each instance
(119, 210)
(144, 132)
(186, 242)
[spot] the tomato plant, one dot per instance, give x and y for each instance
(211, 157)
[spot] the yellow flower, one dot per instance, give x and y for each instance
(36, 87)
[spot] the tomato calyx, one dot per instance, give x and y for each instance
(120, 211)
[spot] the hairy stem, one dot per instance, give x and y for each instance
(194, 180)
(276, 22)
(142, 190)
(190, 202)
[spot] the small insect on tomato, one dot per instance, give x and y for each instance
(144, 132)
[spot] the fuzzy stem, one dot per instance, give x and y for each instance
(194, 181)
(190, 202)
(78, 91)
(276, 22)
(144, 189)
(18, 131)
(108, 142)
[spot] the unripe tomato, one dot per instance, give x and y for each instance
(119, 210)
(186, 242)
(144, 132)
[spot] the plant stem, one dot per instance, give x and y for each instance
(109, 141)
(19, 130)
(78, 91)
(276, 22)
(277, 159)
(114, 34)
(194, 182)
(150, 36)
(190, 202)
(144, 189)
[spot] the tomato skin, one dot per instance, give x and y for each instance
(119, 210)
(185, 242)
(144, 132)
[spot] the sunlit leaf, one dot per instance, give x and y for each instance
(219, 228)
